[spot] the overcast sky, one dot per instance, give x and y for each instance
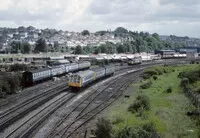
(178, 17)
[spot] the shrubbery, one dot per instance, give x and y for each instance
(192, 62)
(18, 67)
(151, 72)
(117, 120)
(157, 71)
(184, 82)
(9, 84)
(146, 85)
(155, 77)
(145, 131)
(103, 128)
(192, 76)
(169, 89)
(142, 102)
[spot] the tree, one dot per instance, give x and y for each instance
(133, 47)
(101, 33)
(22, 29)
(56, 46)
(120, 48)
(111, 48)
(78, 50)
(103, 48)
(96, 50)
(15, 46)
(121, 30)
(85, 32)
(41, 45)
(67, 49)
(87, 49)
(128, 47)
(156, 36)
(30, 28)
(25, 48)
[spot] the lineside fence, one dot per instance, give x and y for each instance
(193, 96)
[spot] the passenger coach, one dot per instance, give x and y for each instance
(83, 78)
(31, 77)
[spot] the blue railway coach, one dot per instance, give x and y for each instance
(31, 77)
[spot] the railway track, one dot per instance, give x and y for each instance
(82, 111)
(37, 117)
(20, 110)
(26, 93)
(91, 106)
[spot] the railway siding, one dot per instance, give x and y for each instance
(19, 111)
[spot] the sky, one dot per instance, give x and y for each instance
(177, 17)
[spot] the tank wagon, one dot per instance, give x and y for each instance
(31, 77)
(84, 78)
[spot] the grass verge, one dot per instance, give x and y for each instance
(168, 105)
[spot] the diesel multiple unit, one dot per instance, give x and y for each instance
(83, 78)
(31, 77)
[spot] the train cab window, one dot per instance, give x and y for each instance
(72, 78)
(77, 79)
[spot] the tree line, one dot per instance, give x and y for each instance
(143, 42)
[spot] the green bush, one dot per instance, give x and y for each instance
(184, 82)
(9, 83)
(155, 77)
(197, 90)
(192, 62)
(2, 93)
(146, 131)
(126, 132)
(103, 128)
(146, 76)
(159, 72)
(169, 89)
(193, 75)
(18, 67)
(117, 120)
(142, 102)
(5, 87)
(146, 85)
(150, 72)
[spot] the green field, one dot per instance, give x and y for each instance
(167, 109)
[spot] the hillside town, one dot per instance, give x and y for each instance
(28, 40)
(52, 36)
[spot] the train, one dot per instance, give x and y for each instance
(30, 78)
(134, 61)
(81, 79)
(174, 56)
